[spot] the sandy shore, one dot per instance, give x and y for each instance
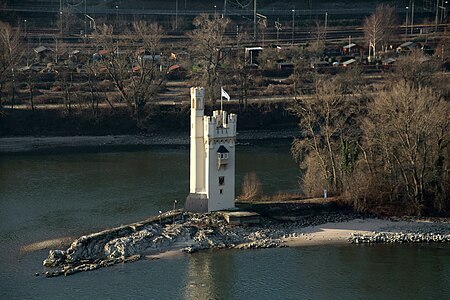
(340, 233)
(171, 252)
(47, 244)
(333, 233)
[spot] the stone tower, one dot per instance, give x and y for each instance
(212, 157)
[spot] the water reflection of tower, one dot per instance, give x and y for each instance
(209, 276)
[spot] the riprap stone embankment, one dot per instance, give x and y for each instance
(427, 232)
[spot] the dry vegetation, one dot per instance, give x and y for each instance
(251, 187)
(392, 149)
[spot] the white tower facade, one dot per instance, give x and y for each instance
(212, 157)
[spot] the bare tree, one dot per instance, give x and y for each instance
(302, 76)
(352, 80)
(442, 49)
(379, 28)
(31, 77)
(92, 77)
(60, 49)
(317, 45)
(68, 21)
(135, 73)
(66, 83)
(146, 79)
(10, 54)
(407, 135)
(251, 187)
(240, 72)
(325, 125)
(416, 69)
(114, 62)
(208, 44)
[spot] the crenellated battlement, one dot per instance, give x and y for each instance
(232, 118)
(220, 124)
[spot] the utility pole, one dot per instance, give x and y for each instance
(117, 15)
(13, 88)
(237, 35)
(293, 25)
(278, 27)
(176, 14)
(61, 17)
(254, 20)
(444, 12)
(263, 20)
(326, 24)
(412, 17)
(310, 10)
(406, 25)
(444, 4)
(26, 36)
(91, 22)
(437, 14)
(85, 19)
(224, 8)
(56, 50)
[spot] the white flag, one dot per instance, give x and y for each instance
(225, 94)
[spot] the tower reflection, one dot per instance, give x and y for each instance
(209, 276)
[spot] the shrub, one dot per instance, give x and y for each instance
(251, 187)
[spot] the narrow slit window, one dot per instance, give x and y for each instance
(221, 180)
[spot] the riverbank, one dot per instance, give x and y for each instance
(175, 232)
(373, 230)
(48, 144)
(159, 119)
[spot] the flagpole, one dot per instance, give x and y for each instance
(221, 98)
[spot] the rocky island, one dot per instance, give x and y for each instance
(179, 232)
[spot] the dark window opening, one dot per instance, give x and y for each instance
(221, 180)
(221, 191)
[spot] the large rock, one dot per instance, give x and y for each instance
(55, 258)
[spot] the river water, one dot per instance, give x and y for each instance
(49, 196)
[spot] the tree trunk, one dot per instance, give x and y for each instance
(13, 98)
(333, 164)
(31, 96)
(1, 98)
